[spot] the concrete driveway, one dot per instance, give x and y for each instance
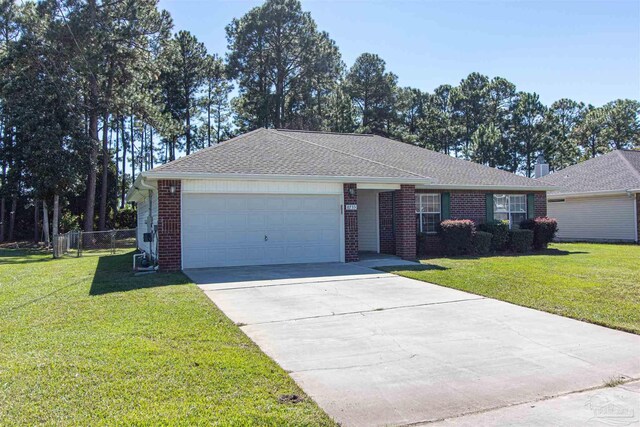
(377, 349)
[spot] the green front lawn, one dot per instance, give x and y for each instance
(598, 283)
(84, 342)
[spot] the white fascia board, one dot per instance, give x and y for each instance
(591, 194)
(486, 187)
(259, 177)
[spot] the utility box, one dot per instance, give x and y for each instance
(147, 237)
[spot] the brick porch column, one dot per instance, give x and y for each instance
(405, 222)
(350, 224)
(385, 215)
(169, 246)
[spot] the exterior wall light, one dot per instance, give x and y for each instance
(172, 189)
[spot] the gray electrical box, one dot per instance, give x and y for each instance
(147, 237)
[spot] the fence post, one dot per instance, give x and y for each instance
(113, 242)
(80, 238)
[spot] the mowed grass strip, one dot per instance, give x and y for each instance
(597, 283)
(85, 342)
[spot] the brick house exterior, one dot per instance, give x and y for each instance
(169, 225)
(283, 196)
(350, 223)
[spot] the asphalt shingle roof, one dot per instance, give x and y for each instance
(618, 170)
(286, 152)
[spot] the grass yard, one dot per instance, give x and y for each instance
(597, 283)
(84, 342)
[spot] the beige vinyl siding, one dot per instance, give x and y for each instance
(602, 218)
(368, 220)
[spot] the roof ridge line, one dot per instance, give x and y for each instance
(352, 155)
(326, 132)
(634, 171)
(206, 149)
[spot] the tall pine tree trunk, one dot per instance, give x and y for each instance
(133, 151)
(45, 223)
(56, 214)
(93, 136)
(151, 146)
(124, 163)
(105, 173)
(36, 221)
(188, 125)
(12, 216)
(3, 216)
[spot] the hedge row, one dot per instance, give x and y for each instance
(460, 237)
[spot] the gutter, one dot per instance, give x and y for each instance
(488, 187)
(594, 194)
(259, 177)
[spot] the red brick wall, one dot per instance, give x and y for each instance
(387, 236)
(540, 204)
(471, 204)
(169, 246)
(405, 222)
(350, 224)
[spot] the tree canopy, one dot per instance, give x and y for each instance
(94, 92)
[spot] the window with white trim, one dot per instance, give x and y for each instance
(510, 207)
(428, 213)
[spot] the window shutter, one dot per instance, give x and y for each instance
(531, 212)
(445, 205)
(489, 205)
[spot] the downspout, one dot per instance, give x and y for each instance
(635, 194)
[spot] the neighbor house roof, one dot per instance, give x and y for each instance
(614, 172)
(288, 153)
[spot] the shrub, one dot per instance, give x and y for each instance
(520, 240)
(544, 230)
(457, 236)
(68, 222)
(421, 243)
(482, 242)
(500, 233)
(126, 218)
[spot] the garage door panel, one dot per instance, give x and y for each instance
(227, 230)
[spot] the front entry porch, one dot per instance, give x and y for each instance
(379, 220)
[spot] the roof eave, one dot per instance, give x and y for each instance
(594, 193)
(157, 175)
(489, 187)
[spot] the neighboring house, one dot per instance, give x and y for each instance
(282, 196)
(597, 200)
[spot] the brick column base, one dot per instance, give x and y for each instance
(350, 224)
(405, 222)
(169, 240)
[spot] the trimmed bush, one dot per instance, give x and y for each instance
(520, 241)
(126, 218)
(544, 230)
(500, 232)
(457, 236)
(482, 242)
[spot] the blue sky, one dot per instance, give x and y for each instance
(584, 50)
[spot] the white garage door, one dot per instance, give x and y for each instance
(256, 229)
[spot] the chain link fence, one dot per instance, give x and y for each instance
(79, 243)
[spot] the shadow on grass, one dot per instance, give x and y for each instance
(545, 252)
(421, 267)
(114, 274)
(23, 256)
